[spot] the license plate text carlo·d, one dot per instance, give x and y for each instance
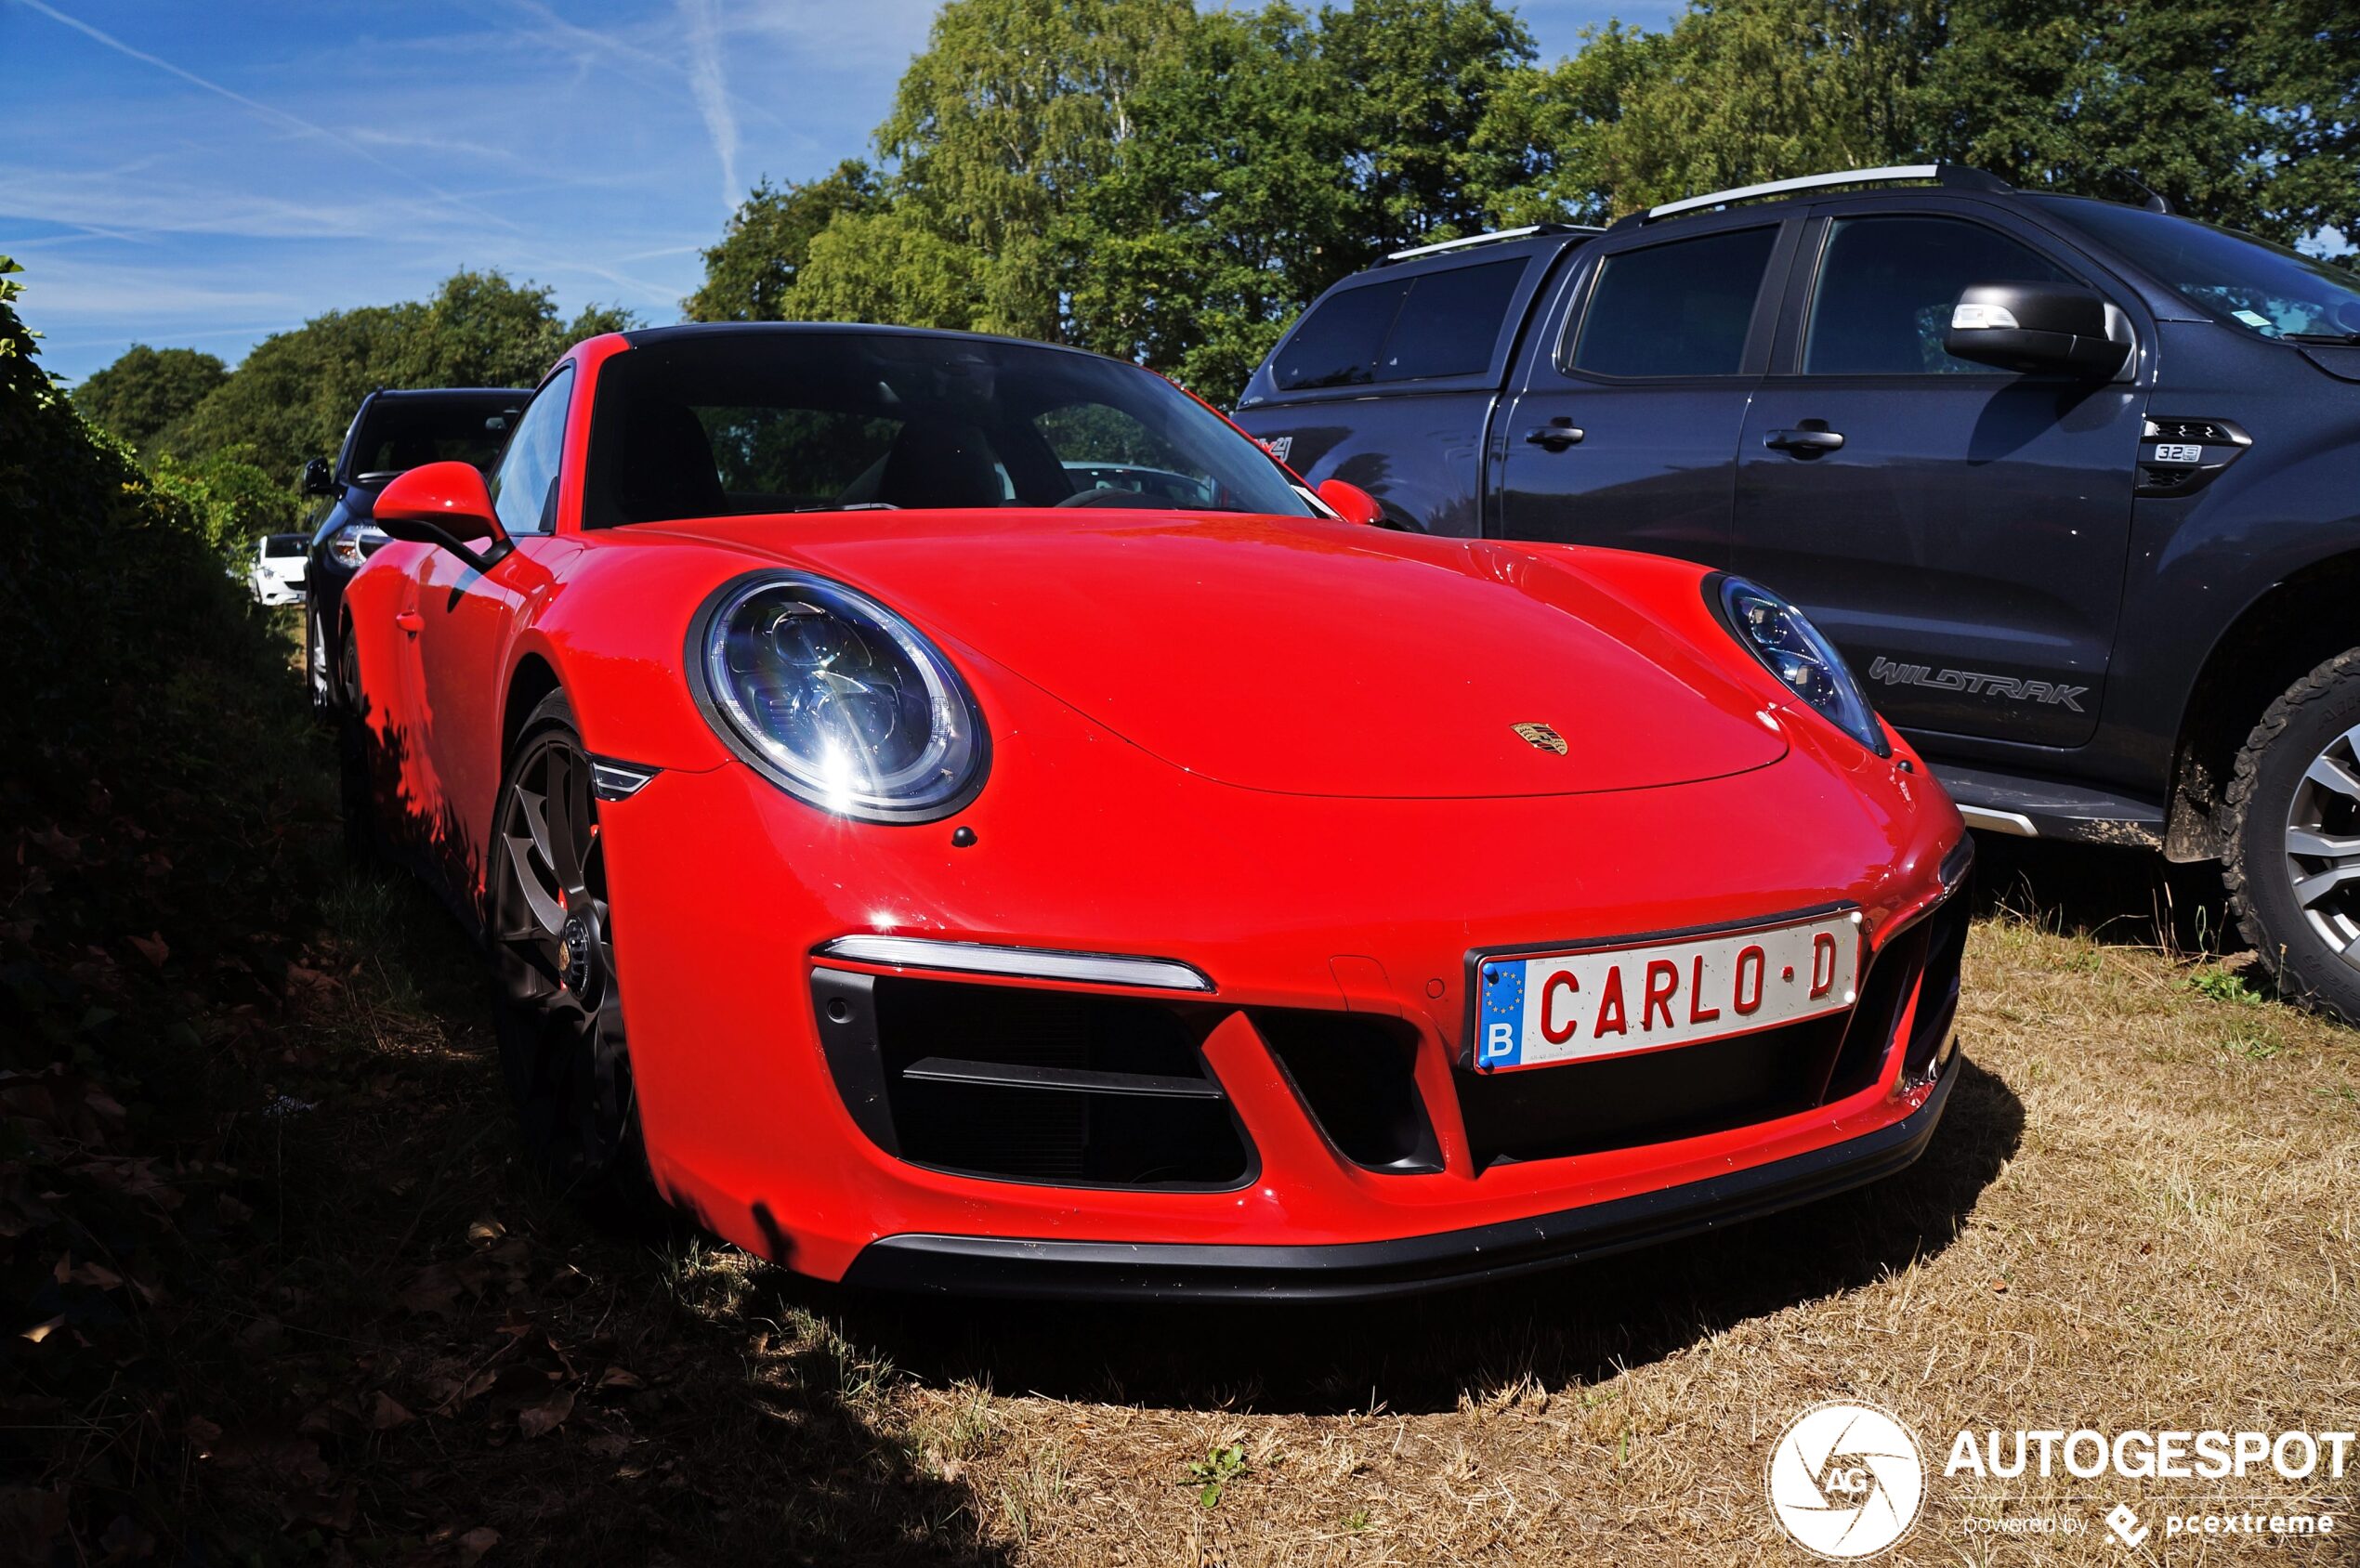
(1537, 1009)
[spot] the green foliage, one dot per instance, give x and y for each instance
(2223, 985)
(297, 391)
(1762, 89)
(749, 275)
(231, 502)
(93, 560)
(1173, 185)
(1222, 1463)
(146, 390)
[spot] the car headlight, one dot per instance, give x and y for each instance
(837, 700)
(355, 542)
(1775, 631)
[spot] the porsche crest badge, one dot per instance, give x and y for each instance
(1543, 736)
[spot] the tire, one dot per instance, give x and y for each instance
(564, 1053)
(355, 771)
(2293, 866)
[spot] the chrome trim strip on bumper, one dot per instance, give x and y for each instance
(1020, 963)
(2013, 823)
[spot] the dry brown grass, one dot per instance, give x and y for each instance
(2140, 1213)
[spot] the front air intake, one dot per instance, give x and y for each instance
(1019, 1083)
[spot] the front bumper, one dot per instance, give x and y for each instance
(978, 1266)
(1344, 921)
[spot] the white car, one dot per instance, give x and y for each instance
(276, 576)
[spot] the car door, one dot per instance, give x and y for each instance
(1959, 530)
(460, 625)
(1624, 427)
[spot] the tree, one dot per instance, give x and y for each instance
(1013, 110)
(2237, 115)
(480, 330)
(147, 389)
(750, 275)
(1414, 78)
(1749, 90)
(297, 391)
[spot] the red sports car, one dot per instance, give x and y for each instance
(953, 813)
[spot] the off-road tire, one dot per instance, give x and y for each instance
(2296, 730)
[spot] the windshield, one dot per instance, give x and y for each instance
(827, 421)
(399, 435)
(2276, 291)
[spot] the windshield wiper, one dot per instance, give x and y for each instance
(2344, 339)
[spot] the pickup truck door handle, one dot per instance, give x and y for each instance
(1804, 443)
(1557, 435)
(409, 621)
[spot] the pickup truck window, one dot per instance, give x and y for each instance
(1450, 322)
(2264, 288)
(1681, 308)
(1408, 329)
(1887, 285)
(1337, 344)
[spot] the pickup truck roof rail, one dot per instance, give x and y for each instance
(1526, 233)
(1956, 176)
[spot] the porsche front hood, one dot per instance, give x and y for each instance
(1304, 657)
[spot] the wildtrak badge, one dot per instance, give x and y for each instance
(2053, 692)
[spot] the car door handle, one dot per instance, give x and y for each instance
(409, 621)
(1555, 436)
(1804, 443)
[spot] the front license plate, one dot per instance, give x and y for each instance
(1535, 1008)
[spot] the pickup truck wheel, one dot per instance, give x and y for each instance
(2294, 867)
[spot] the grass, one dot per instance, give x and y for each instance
(2142, 1210)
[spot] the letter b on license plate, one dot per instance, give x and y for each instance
(1532, 1010)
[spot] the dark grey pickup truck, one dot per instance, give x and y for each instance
(2076, 485)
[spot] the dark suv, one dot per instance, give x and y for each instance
(392, 433)
(2075, 483)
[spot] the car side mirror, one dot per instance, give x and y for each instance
(318, 477)
(2059, 328)
(445, 504)
(1351, 502)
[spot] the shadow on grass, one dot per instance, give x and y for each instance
(417, 1253)
(1567, 1326)
(2126, 898)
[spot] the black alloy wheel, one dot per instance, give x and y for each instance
(563, 1051)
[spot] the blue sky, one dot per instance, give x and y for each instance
(205, 175)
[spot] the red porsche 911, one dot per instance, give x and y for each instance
(954, 814)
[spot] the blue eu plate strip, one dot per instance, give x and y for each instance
(1500, 1044)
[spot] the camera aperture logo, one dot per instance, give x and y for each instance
(1846, 1481)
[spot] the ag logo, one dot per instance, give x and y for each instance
(1846, 1481)
(1541, 736)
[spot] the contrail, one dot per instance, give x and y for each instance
(712, 89)
(271, 112)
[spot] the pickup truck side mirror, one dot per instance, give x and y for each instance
(1351, 502)
(2059, 328)
(445, 504)
(318, 477)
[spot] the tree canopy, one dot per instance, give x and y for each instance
(1173, 185)
(228, 444)
(146, 390)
